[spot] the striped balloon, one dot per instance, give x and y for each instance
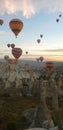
(17, 52)
(16, 26)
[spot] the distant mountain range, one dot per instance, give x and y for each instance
(35, 63)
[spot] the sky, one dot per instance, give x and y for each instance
(38, 17)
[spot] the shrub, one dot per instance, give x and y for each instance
(11, 126)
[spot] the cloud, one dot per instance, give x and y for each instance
(3, 32)
(49, 52)
(30, 7)
(54, 50)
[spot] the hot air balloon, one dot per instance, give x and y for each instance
(12, 61)
(1, 21)
(16, 52)
(41, 35)
(26, 52)
(38, 40)
(37, 59)
(60, 15)
(12, 45)
(16, 26)
(57, 20)
(6, 57)
(41, 58)
(8, 45)
(49, 66)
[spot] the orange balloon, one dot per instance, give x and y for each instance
(49, 66)
(16, 26)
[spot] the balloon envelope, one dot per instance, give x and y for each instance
(8, 45)
(41, 35)
(1, 21)
(16, 26)
(49, 66)
(17, 52)
(60, 15)
(6, 57)
(12, 45)
(38, 40)
(12, 61)
(41, 58)
(38, 59)
(26, 52)
(57, 20)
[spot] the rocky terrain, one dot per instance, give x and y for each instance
(25, 80)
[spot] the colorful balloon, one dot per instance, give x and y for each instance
(49, 66)
(17, 52)
(1, 21)
(16, 26)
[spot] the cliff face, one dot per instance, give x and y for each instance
(29, 79)
(20, 75)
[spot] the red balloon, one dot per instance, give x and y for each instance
(17, 52)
